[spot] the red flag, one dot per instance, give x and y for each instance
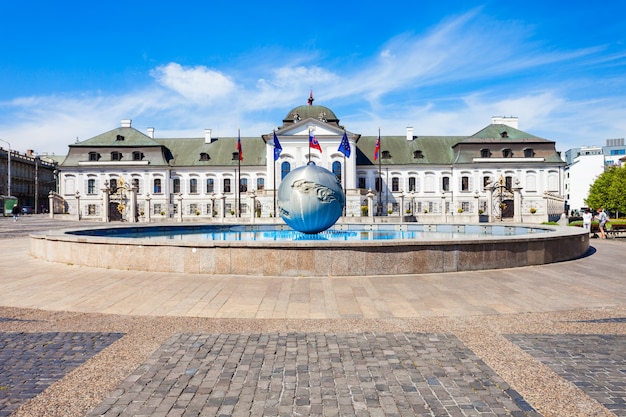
(313, 143)
(239, 146)
(377, 149)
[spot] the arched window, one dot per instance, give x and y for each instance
(210, 185)
(445, 183)
(193, 186)
(157, 186)
(260, 183)
(285, 168)
(91, 186)
(176, 186)
(395, 184)
(412, 184)
(337, 169)
(227, 185)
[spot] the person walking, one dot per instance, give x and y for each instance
(602, 219)
(15, 212)
(587, 218)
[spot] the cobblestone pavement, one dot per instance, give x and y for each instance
(595, 363)
(30, 362)
(314, 374)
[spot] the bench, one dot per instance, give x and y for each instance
(615, 230)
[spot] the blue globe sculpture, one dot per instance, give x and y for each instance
(310, 199)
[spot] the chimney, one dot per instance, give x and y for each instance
(151, 132)
(126, 122)
(409, 133)
(207, 135)
(503, 120)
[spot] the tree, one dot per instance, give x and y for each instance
(609, 190)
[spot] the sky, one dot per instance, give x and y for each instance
(71, 70)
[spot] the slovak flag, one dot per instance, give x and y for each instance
(313, 143)
(239, 146)
(377, 149)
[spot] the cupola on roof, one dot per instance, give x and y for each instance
(321, 113)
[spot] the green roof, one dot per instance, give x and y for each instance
(433, 150)
(186, 152)
(120, 137)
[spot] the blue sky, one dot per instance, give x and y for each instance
(71, 69)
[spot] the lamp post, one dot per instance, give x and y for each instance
(8, 168)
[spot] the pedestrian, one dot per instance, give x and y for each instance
(602, 219)
(587, 217)
(15, 212)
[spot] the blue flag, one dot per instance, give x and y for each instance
(277, 148)
(344, 146)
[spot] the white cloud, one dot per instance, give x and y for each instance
(199, 84)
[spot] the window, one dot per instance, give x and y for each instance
(137, 156)
(193, 186)
(113, 185)
(119, 138)
(486, 181)
(418, 154)
(91, 186)
(445, 183)
(176, 186)
(157, 186)
(395, 184)
(243, 185)
(285, 168)
(529, 153)
(227, 185)
(260, 184)
(210, 185)
(485, 153)
(136, 185)
(386, 155)
(412, 186)
(379, 184)
(156, 209)
(508, 182)
(94, 156)
(193, 209)
(204, 156)
(116, 156)
(362, 183)
(91, 209)
(337, 170)
(235, 156)
(507, 153)
(465, 183)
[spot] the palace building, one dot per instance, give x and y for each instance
(500, 171)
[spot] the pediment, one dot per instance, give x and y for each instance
(302, 129)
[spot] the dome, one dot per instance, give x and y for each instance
(316, 112)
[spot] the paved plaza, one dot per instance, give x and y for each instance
(535, 341)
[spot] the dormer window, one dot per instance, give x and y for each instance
(529, 153)
(116, 156)
(204, 156)
(119, 138)
(507, 153)
(137, 156)
(504, 134)
(235, 156)
(386, 155)
(485, 153)
(418, 154)
(94, 156)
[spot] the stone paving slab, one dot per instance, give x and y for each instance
(314, 374)
(596, 363)
(30, 362)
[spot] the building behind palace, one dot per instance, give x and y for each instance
(421, 176)
(33, 176)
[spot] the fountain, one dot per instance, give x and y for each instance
(311, 201)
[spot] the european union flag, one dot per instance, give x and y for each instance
(277, 148)
(344, 146)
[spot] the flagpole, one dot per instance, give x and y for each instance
(380, 178)
(239, 173)
(309, 145)
(274, 176)
(345, 195)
